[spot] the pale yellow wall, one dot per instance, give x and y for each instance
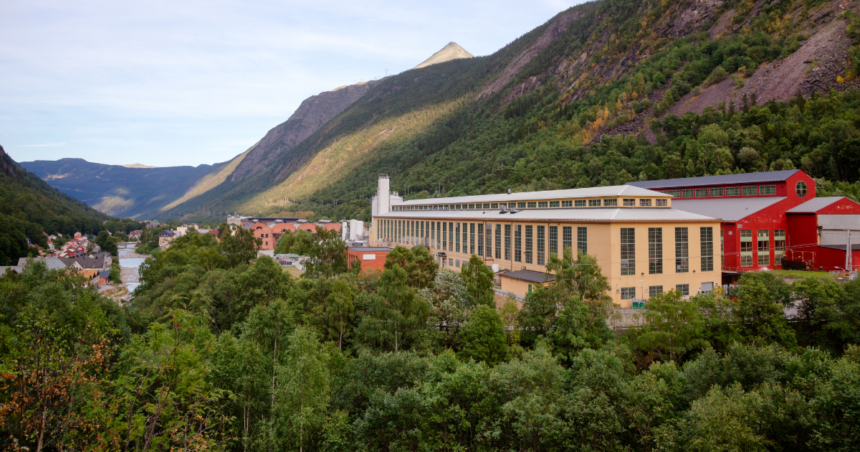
(517, 286)
(604, 243)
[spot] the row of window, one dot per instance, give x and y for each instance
(752, 190)
(655, 250)
(447, 236)
(607, 202)
(485, 239)
(762, 243)
(629, 293)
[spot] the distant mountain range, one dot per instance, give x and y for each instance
(594, 96)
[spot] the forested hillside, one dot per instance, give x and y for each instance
(604, 93)
(29, 208)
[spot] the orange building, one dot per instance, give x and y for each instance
(371, 257)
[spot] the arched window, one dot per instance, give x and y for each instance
(800, 189)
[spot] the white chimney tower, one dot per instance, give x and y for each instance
(383, 200)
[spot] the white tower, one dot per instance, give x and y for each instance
(383, 200)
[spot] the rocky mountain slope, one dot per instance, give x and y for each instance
(451, 51)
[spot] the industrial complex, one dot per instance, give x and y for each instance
(648, 237)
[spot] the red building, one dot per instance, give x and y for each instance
(767, 217)
(371, 257)
(270, 229)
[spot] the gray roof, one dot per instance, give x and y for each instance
(592, 192)
(53, 263)
(86, 262)
(572, 214)
(529, 275)
(104, 273)
(726, 179)
(370, 248)
(815, 204)
(726, 209)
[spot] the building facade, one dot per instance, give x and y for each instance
(642, 244)
(765, 218)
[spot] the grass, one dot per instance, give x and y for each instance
(803, 274)
(293, 271)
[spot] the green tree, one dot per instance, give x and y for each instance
(673, 328)
(484, 336)
(417, 262)
(479, 281)
(759, 310)
(395, 315)
(238, 244)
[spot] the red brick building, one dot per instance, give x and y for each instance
(766, 217)
(371, 257)
(270, 229)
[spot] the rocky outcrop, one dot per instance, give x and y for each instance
(308, 118)
(452, 51)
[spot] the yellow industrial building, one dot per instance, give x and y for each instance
(642, 245)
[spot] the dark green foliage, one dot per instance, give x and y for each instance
(416, 262)
(479, 281)
(484, 336)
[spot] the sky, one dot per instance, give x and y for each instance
(170, 83)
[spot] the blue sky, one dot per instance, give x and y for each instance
(168, 83)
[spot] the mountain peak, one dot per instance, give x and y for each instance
(452, 51)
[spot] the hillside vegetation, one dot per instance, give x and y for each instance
(29, 208)
(603, 93)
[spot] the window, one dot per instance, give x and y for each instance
(707, 240)
(465, 237)
(471, 238)
(582, 239)
(655, 251)
(450, 262)
(498, 241)
(687, 193)
(457, 263)
(746, 248)
(444, 236)
(629, 203)
(457, 239)
(628, 293)
(521, 205)
(438, 233)
(763, 247)
(767, 190)
(553, 203)
(541, 245)
(542, 204)
(716, 192)
(674, 193)
(532, 204)
(580, 203)
(566, 238)
(778, 246)
(494, 205)
(662, 203)
(507, 242)
(683, 288)
(610, 202)
(487, 205)
(553, 240)
(733, 191)
(593, 203)
(518, 243)
(653, 291)
(701, 192)
(749, 191)
(682, 250)
(644, 203)
(567, 203)
(529, 244)
(480, 239)
(450, 236)
(628, 251)
(800, 189)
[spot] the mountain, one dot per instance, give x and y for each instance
(146, 192)
(29, 207)
(123, 191)
(603, 93)
(452, 51)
